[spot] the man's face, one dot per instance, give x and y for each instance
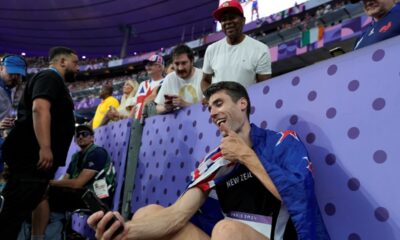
(377, 8)
(224, 110)
(10, 80)
(153, 68)
(83, 138)
(232, 24)
(71, 67)
(103, 92)
(183, 66)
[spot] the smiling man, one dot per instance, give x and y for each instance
(262, 178)
(181, 87)
(385, 21)
(236, 57)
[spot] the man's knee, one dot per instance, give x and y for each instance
(147, 210)
(226, 229)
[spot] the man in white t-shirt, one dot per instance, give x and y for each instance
(236, 57)
(181, 87)
(147, 90)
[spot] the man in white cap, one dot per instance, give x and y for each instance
(147, 90)
(236, 57)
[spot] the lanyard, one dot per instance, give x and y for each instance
(55, 70)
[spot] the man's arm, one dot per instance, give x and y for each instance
(262, 77)
(253, 163)
(233, 148)
(206, 81)
(41, 125)
(167, 221)
(161, 108)
(85, 176)
(263, 67)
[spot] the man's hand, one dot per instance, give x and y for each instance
(113, 114)
(7, 123)
(98, 221)
(45, 158)
(178, 102)
(233, 147)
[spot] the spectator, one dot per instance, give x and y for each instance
(236, 57)
(12, 70)
(39, 142)
(271, 168)
(129, 90)
(385, 21)
(319, 12)
(182, 87)
(108, 103)
(90, 168)
(148, 89)
(169, 68)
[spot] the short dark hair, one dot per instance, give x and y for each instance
(57, 51)
(183, 49)
(235, 90)
(108, 88)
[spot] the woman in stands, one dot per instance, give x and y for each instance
(129, 90)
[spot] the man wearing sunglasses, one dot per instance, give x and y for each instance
(90, 168)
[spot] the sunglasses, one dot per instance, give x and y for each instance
(83, 134)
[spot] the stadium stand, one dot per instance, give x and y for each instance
(343, 108)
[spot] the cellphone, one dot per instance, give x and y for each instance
(95, 205)
(168, 99)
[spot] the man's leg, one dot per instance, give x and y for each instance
(21, 196)
(234, 230)
(190, 231)
(40, 219)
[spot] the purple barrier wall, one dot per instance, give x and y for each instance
(346, 112)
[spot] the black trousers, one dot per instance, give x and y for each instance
(22, 193)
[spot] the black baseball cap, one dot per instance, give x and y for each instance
(84, 127)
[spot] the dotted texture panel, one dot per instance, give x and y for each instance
(172, 146)
(346, 111)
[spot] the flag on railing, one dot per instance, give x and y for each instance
(312, 35)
